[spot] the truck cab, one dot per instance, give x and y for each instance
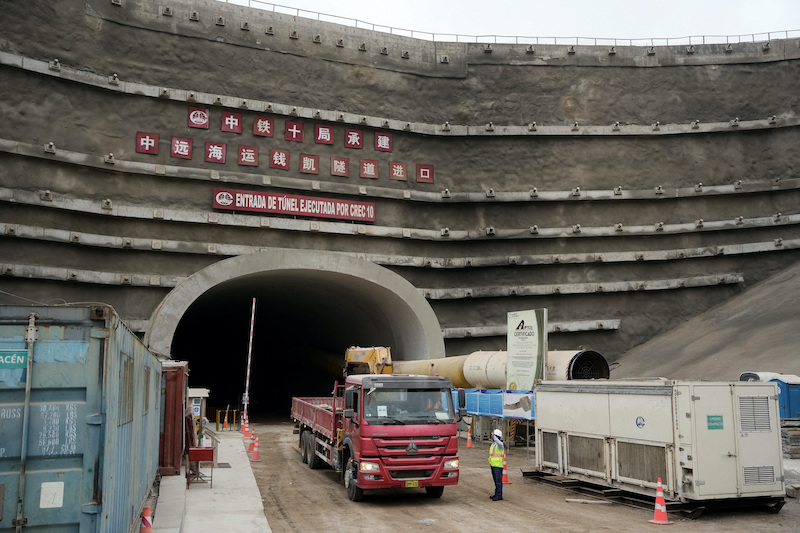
(383, 430)
(399, 431)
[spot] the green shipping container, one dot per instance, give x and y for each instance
(79, 422)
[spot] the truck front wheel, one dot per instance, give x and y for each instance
(354, 492)
(434, 492)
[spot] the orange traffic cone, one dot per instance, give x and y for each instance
(469, 437)
(225, 424)
(252, 441)
(147, 521)
(506, 481)
(256, 458)
(246, 426)
(660, 515)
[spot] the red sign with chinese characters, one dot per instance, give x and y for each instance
(279, 159)
(181, 148)
(290, 204)
(309, 164)
(369, 168)
(263, 126)
(353, 138)
(215, 152)
(231, 122)
(397, 171)
(294, 131)
(323, 134)
(425, 173)
(248, 155)
(146, 143)
(340, 166)
(383, 142)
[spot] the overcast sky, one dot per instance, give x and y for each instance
(620, 19)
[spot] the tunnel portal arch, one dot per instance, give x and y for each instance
(350, 300)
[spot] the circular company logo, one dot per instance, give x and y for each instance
(224, 198)
(639, 422)
(198, 117)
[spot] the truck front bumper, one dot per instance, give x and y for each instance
(373, 474)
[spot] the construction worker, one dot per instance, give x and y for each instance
(496, 454)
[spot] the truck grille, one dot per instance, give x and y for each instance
(395, 452)
(411, 474)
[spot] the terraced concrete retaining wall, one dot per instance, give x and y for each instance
(625, 190)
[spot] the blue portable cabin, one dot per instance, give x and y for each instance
(788, 395)
(79, 422)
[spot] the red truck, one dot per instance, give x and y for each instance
(381, 431)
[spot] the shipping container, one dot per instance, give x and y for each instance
(704, 440)
(79, 420)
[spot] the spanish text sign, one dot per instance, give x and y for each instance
(290, 204)
(13, 359)
(527, 344)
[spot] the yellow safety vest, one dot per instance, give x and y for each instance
(496, 454)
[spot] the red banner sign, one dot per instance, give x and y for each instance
(290, 204)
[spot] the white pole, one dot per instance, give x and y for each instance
(249, 357)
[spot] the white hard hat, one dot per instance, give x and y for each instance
(498, 432)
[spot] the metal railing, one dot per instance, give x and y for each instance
(511, 39)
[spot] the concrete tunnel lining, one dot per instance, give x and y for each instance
(414, 327)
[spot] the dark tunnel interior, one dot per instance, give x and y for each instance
(304, 322)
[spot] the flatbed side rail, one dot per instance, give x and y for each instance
(322, 414)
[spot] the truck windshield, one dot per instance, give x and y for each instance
(408, 406)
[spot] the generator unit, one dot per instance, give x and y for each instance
(704, 440)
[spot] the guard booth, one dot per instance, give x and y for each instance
(198, 398)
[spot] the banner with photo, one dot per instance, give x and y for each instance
(518, 405)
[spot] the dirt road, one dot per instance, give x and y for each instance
(297, 499)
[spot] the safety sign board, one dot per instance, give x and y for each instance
(715, 422)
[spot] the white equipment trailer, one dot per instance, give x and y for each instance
(706, 441)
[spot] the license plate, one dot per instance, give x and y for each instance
(412, 484)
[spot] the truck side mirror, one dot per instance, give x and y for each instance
(462, 404)
(348, 413)
(349, 393)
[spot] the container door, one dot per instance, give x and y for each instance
(715, 443)
(793, 400)
(760, 454)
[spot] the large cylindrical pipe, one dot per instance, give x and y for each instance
(487, 370)
(569, 364)
(483, 370)
(451, 367)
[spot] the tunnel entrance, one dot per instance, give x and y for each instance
(310, 307)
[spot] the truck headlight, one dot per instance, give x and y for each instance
(365, 466)
(452, 464)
